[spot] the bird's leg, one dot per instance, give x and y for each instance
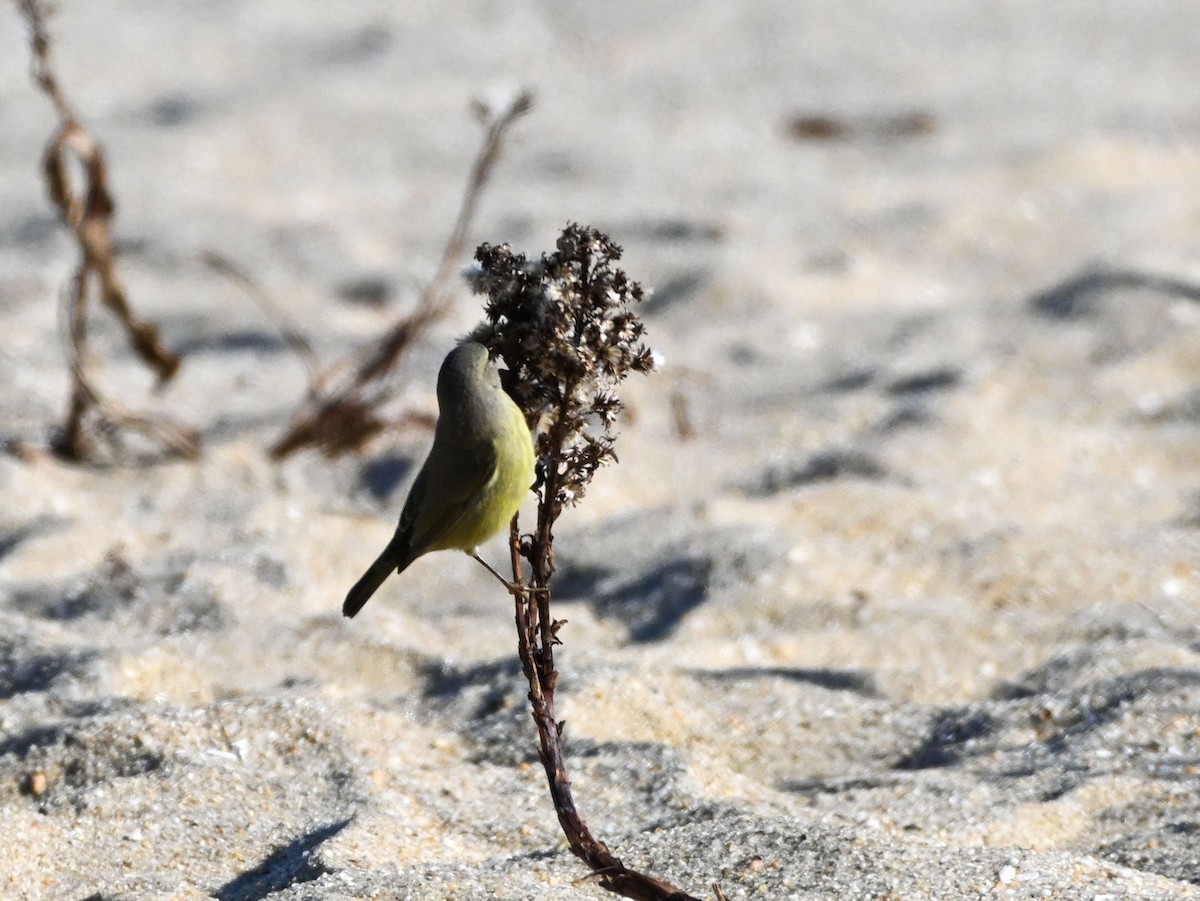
(514, 588)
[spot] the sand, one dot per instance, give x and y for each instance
(893, 593)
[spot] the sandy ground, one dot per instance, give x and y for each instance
(894, 591)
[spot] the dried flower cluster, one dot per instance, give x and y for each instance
(564, 327)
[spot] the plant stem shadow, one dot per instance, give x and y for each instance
(289, 865)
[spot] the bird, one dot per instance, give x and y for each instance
(477, 473)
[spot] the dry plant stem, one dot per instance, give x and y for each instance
(435, 300)
(89, 216)
(73, 440)
(565, 328)
(346, 417)
(536, 636)
(90, 219)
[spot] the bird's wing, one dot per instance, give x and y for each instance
(440, 496)
(412, 507)
(438, 499)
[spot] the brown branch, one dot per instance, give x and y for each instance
(88, 406)
(89, 217)
(39, 42)
(536, 636)
(537, 633)
(567, 333)
(346, 417)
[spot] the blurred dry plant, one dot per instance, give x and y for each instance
(89, 217)
(565, 328)
(342, 410)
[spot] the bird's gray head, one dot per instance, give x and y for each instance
(465, 370)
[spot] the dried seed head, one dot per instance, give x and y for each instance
(565, 328)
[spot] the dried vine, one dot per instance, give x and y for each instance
(89, 217)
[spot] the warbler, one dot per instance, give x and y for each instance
(472, 483)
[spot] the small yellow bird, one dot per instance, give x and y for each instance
(473, 481)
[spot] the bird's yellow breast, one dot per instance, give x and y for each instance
(501, 497)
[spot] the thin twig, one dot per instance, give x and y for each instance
(89, 217)
(74, 440)
(346, 417)
(39, 41)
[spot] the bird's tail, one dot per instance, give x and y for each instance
(388, 562)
